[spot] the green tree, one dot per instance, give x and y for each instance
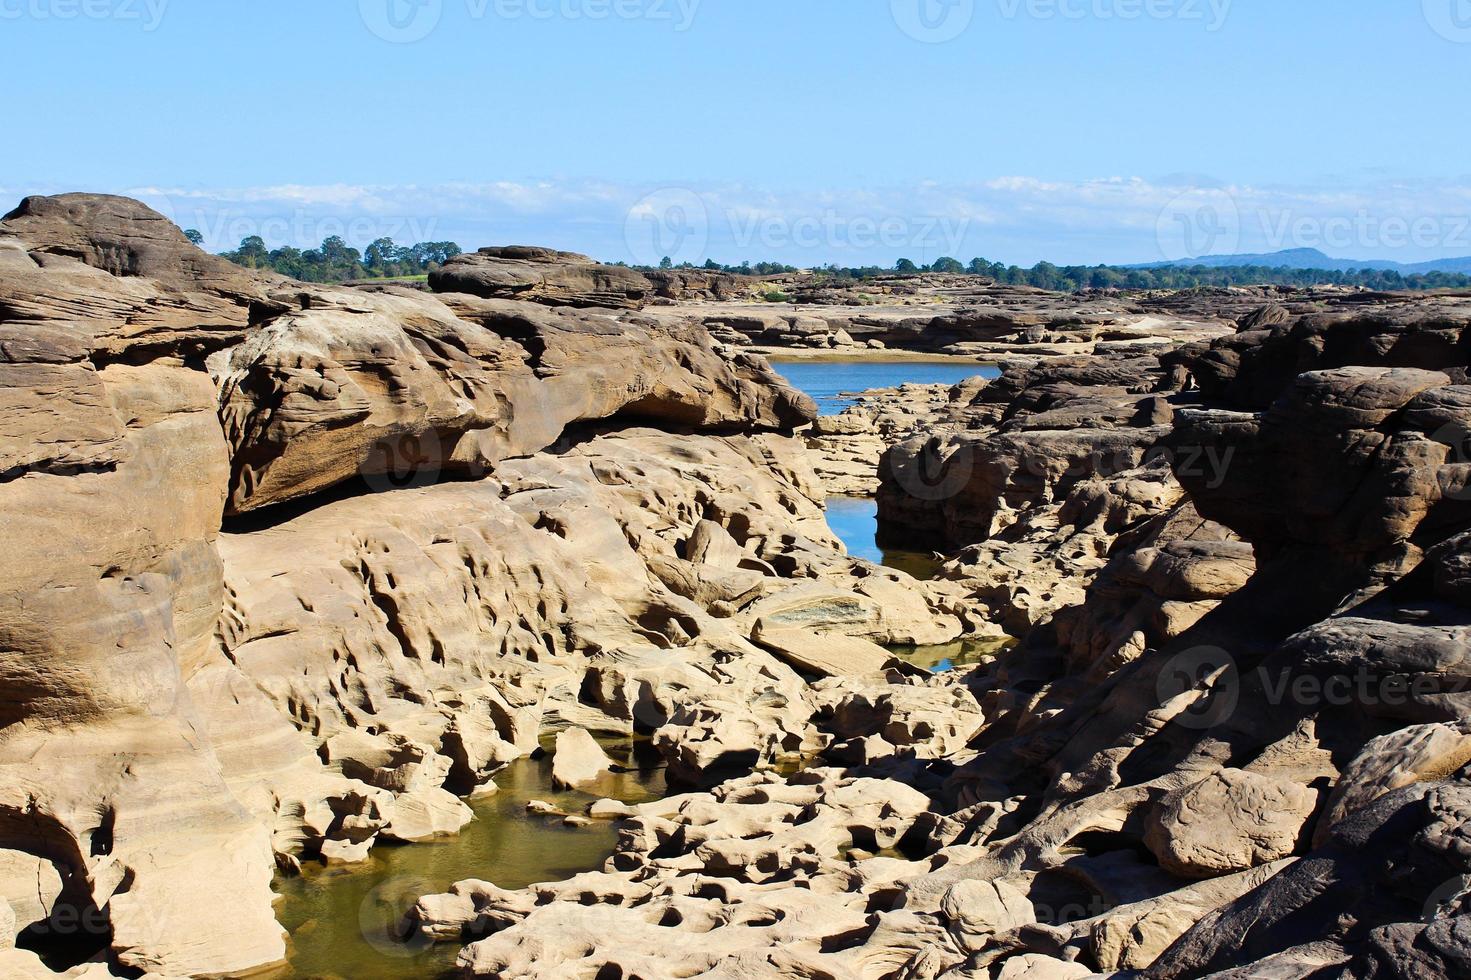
(287, 261)
(381, 254)
(253, 252)
(426, 254)
(1045, 275)
(194, 235)
(905, 266)
(337, 252)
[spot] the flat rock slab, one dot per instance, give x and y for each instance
(816, 606)
(828, 654)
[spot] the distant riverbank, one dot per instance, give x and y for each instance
(788, 355)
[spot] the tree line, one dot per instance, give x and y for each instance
(337, 261)
(1073, 278)
(1045, 275)
(744, 269)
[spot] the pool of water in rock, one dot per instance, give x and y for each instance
(855, 520)
(342, 919)
(953, 656)
(834, 384)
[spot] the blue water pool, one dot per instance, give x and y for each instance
(833, 383)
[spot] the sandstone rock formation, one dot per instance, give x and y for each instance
(114, 479)
(1233, 820)
(190, 704)
(847, 447)
(578, 759)
(296, 568)
(399, 387)
(962, 315)
(1233, 743)
(541, 275)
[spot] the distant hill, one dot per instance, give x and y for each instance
(1312, 258)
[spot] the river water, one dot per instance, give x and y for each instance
(342, 920)
(833, 383)
(855, 520)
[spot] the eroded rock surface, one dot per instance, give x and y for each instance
(295, 568)
(186, 709)
(1232, 743)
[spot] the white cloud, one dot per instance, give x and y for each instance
(1015, 218)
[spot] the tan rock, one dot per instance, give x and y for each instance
(29, 889)
(542, 275)
(399, 387)
(1035, 966)
(346, 852)
(1419, 753)
(425, 814)
(610, 810)
(578, 759)
(977, 910)
(1231, 821)
(823, 654)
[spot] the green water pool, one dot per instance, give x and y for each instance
(342, 920)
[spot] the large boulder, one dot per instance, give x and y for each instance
(822, 654)
(1273, 345)
(1348, 464)
(698, 284)
(126, 239)
(1385, 876)
(398, 387)
(578, 759)
(541, 275)
(1231, 821)
(1066, 421)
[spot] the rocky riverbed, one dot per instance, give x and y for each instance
(300, 572)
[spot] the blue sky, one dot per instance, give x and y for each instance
(802, 130)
